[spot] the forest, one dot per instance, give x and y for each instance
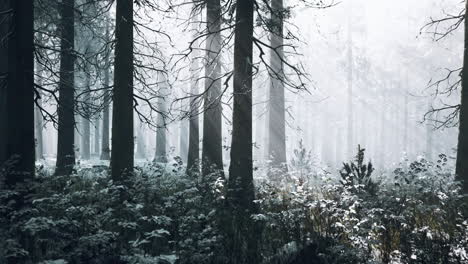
(233, 131)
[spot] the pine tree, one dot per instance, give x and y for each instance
(122, 109)
(241, 231)
(17, 92)
(212, 149)
(66, 103)
(276, 124)
(462, 151)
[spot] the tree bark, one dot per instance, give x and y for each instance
(105, 150)
(183, 137)
(86, 123)
(193, 155)
(242, 233)
(276, 125)
(37, 113)
(66, 104)
(97, 129)
(4, 58)
(141, 146)
(122, 110)
(17, 91)
(161, 141)
(462, 150)
(212, 153)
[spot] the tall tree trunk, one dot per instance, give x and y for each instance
(266, 123)
(97, 129)
(212, 152)
(141, 146)
(193, 155)
(122, 110)
(39, 127)
(17, 91)
(242, 233)
(161, 137)
(183, 140)
(105, 150)
(77, 136)
(259, 123)
(276, 125)
(66, 104)
(38, 115)
(4, 42)
(86, 123)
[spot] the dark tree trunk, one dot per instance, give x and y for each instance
(183, 139)
(77, 136)
(276, 125)
(462, 151)
(38, 115)
(193, 155)
(122, 110)
(212, 149)
(97, 129)
(86, 123)
(161, 142)
(66, 117)
(39, 127)
(17, 91)
(141, 146)
(4, 31)
(105, 150)
(241, 237)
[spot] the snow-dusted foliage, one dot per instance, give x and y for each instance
(158, 216)
(413, 214)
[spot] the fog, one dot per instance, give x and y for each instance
(369, 67)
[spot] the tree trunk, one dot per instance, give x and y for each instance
(4, 31)
(86, 123)
(97, 129)
(462, 150)
(183, 136)
(17, 91)
(193, 155)
(242, 233)
(276, 125)
(212, 153)
(122, 110)
(66, 104)
(38, 115)
(105, 150)
(161, 141)
(141, 146)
